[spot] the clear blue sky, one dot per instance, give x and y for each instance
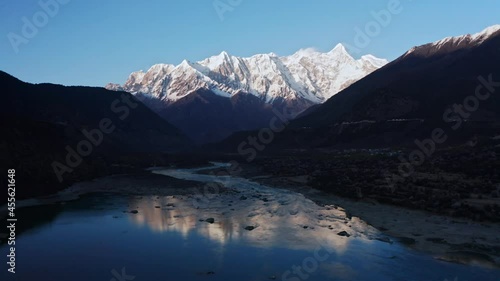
(93, 42)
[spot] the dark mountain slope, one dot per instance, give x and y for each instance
(102, 131)
(421, 84)
(207, 117)
(405, 100)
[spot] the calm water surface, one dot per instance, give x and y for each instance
(97, 238)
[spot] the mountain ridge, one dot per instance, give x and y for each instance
(306, 74)
(405, 100)
(244, 89)
(442, 68)
(57, 135)
(453, 43)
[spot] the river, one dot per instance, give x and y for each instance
(240, 231)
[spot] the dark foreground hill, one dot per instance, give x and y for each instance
(421, 132)
(55, 135)
(451, 84)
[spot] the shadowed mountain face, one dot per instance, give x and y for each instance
(453, 84)
(206, 117)
(422, 84)
(84, 129)
(448, 84)
(210, 99)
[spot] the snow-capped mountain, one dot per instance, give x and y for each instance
(213, 98)
(422, 84)
(450, 44)
(306, 75)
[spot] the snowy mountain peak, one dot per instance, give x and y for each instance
(223, 56)
(136, 76)
(341, 51)
(486, 33)
(308, 75)
(376, 62)
(450, 44)
(215, 61)
(305, 52)
(161, 66)
(184, 64)
(339, 48)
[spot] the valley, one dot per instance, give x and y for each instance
(261, 162)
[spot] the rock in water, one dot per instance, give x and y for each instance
(343, 233)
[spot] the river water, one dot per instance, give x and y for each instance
(257, 233)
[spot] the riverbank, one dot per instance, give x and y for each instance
(446, 238)
(461, 181)
(261, 231)
(140, 183)
(459, 240)
(451, 239)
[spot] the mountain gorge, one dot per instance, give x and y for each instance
(204, 99)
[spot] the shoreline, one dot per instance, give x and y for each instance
(450, 239)
(132, 185)
(446, 238)
(456, 240)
